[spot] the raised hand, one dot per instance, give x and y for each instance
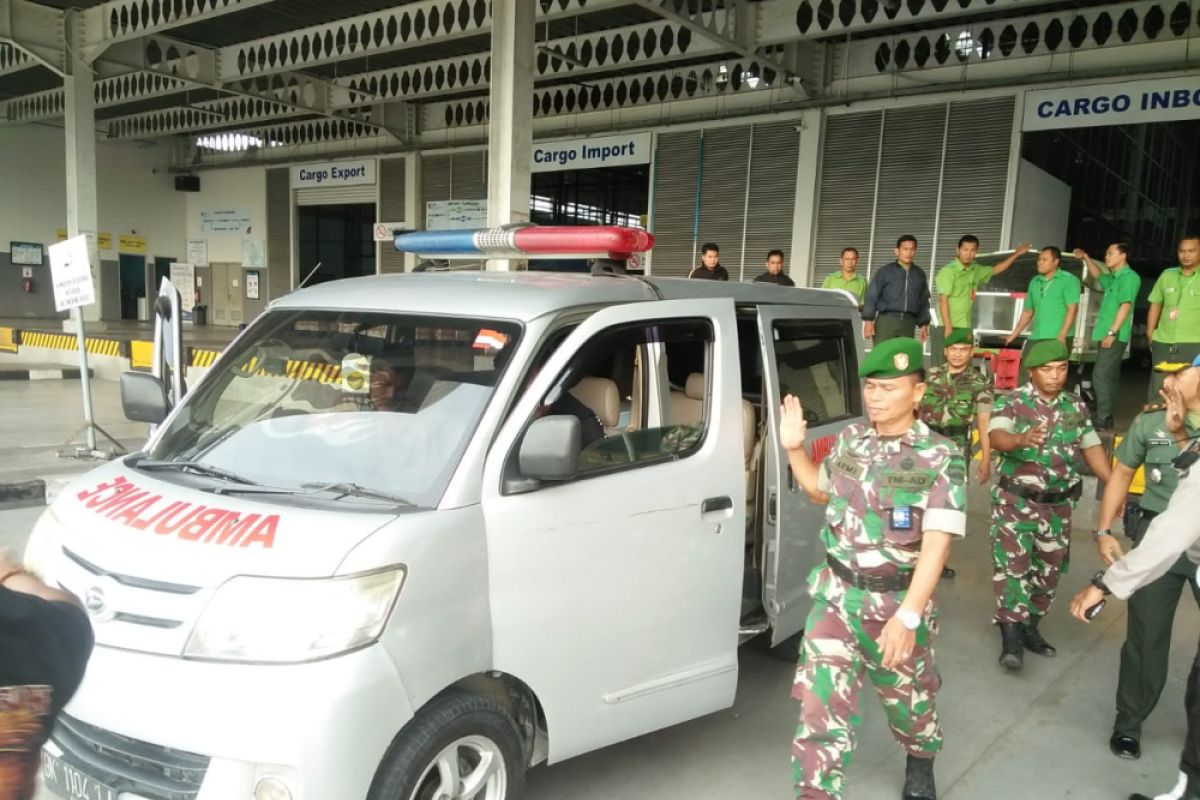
(1176, 410)
(792, 426)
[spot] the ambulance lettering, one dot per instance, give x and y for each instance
(123, 502)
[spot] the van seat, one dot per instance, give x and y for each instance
(602, 397)
(687, 408)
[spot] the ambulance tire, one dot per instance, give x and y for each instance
(471, 720)
(789, 649)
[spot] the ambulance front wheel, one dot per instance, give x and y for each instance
(461, 746)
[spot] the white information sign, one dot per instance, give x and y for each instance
(593, 152)
(183, 276)
(225, 221)
(383, 230)
(252, 285)
(197, 252)
(1128, 103)
(254, 253)
(444, 215)
(72, 268)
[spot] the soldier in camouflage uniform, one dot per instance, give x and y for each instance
(958, 400)
(1038, 430)
(896, 494)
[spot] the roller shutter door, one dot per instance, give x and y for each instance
(774, 158)
(391, 209)
(674, 225)
(846, 195)
(279, 233)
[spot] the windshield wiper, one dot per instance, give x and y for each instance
(196, 467)
(344, 489)
(354, 490)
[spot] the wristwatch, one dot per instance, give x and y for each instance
(911, 620)
(1098, 582)
(1103, 532)
(1112, 333)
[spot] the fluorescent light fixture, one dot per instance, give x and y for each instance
(232, 142)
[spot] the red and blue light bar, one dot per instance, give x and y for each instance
(582, 241)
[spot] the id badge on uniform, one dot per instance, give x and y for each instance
(901, 518)
(1174, 314)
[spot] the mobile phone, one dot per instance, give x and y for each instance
(1091, 612)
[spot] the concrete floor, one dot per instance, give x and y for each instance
(42, 417)
(1038, 735)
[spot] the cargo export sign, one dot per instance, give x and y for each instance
(334, 173)
(1131, 103)
(596, 151)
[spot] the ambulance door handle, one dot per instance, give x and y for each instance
(714, 504)
(772, 507)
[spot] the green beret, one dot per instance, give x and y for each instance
(959, 336)
(893, 358)
(1043, 352)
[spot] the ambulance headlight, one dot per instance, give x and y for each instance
(290, 620)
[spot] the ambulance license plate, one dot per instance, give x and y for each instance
(71, 783)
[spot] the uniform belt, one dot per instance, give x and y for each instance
(949, 430)
(872, 583)
(1035, 496)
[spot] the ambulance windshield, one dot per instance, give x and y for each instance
(385, 403)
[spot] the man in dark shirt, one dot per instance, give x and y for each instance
(897, 302)
(710, 268)
(774, 273)
(45, 642)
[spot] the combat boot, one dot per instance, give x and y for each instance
(918, 779)
(1012, 654)
(1033, 640)
(1185, 789)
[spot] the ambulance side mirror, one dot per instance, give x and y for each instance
(550, 449)
(144, 397)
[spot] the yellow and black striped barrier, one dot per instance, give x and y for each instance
(299, 370)
(203, 358)
(68, 341)
(8, 340)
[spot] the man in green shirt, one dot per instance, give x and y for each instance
(1114, 322)
(957, 281)
(1173, 323)
(848, 278)
(1051, 302)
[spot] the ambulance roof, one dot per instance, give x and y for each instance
(529, 295)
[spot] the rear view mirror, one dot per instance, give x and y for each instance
(550, 449)
(144, 397)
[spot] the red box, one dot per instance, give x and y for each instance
(1006, 365)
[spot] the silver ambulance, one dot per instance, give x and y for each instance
(414, 534)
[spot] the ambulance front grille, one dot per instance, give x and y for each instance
(130, 580)
(130, 765)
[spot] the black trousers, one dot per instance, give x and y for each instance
(1145, 655)
(1189, 762)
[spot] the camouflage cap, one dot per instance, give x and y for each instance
(959, 336)
(1043, 352)
(893, 358)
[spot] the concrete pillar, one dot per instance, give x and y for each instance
(80, 110)
(510, 128)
